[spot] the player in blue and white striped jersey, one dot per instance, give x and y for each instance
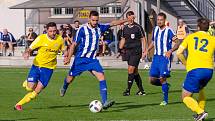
(162, 39)
(87, 39)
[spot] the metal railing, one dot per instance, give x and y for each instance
(205, 7)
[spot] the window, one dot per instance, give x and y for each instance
(117, 9)
(68, 11)
(104, 10)
(57, 11)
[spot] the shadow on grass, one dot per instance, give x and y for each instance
(171, 91)
(63, 106)
(128, 107)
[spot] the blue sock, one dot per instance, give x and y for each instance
(66, 84)
(103, 90)
(165, 90)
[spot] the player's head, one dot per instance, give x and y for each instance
(77, 23)
(93, 18)
(161, 19)
(130, 16)
(203, 24)
(5, 31)
(51, 30)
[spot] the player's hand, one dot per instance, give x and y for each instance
(66, 60)
(66, 54)
(145, 53)
(26, 55)
(168, 54)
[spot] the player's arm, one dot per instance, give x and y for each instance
(78, 37)
(69, 53)
(175, 47)
(118, 22)
(35, 44)
(151, 45)
(180, 55)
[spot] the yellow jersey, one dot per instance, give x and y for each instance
(201, 48)
(47, 50)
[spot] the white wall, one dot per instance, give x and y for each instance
(12, 19)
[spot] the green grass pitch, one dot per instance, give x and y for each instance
(49, 106)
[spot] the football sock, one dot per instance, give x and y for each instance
(165, 90)
(193, 105)
(202, 99)
(66, 84)
(103, 90)
(156, 82)
(27, 98)
(130, 81)
(138, 81)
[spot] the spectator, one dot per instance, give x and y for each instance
(113, 44)
(8, 39)
(77, 25)
(44, 29)
(211, 29)
(1, 44)
(181, 33)
(31, 36)
(108, 39)
(67, 36)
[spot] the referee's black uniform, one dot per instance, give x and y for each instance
(133, 35)
(133, 44)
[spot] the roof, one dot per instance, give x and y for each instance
(35, 4)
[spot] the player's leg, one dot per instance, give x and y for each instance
(1, 48)
(103, 89)
(164, 68)
(32, 79)
(193, 105)
(77, 68)
(165, 90)
(67, 81)
(154, 72)
(195, 82)
(130, 80)
(44, 77)
(138, 81)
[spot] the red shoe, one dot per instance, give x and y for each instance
(18, 107)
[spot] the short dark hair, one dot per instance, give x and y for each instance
(203, 24)
(129, 13)
(93, 13)
(162, 14)
(51, 24)
(76, 21)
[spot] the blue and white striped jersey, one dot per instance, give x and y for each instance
(162, 40)
(87, 39)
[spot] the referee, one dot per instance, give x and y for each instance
(133, 44)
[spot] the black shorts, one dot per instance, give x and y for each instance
(132, 56)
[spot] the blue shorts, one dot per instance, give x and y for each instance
(40, 74)
(197, 79)
(160, 67)
(85, 64)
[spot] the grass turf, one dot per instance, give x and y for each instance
(49, 106)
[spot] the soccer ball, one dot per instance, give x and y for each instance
(95, 106)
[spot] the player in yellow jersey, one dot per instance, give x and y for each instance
(199, 65)
(44, 63)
